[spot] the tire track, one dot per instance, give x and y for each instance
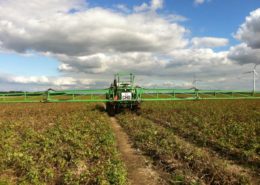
(139, 172)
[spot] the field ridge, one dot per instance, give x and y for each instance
(213, 147)
(163, 145)
(231, 165)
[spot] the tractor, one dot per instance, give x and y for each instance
(123, 94)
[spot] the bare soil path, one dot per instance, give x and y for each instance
(139, 171)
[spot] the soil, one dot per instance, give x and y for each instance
(140, 171)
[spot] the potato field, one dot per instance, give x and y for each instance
(200, 142)
(185, 142)
(57, 144)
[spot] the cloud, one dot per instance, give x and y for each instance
(95, 63)
(87, 44)
(208, 42)
(141, 8)
(244, 54)
(123, 8)
(154, 5)
(249, 31)
(44, 80)
(140, 63)
(48, 27)
(175, 18)
(92, 43)
(199, 1)
(198, 57)
(15, 9)
(86, 33)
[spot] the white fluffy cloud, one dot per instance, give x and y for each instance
(249, 32)
(44, 80)
(208, 42)
(39, 9)
(199, 57)
(154, 5)
(11, 82)
(87, 32)
(92, 43)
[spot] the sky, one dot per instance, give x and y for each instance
(78, 44)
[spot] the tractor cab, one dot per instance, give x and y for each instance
(124, 79)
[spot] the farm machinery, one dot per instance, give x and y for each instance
(124, 93)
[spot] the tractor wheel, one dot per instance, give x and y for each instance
(110, 109)
(117, 109)
(137, 109)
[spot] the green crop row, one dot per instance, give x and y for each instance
(57, 144)
(186, 163)
(230, 128)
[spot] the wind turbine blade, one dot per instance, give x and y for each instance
(255, 66)
(247, 72)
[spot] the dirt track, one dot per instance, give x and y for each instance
(139, 171)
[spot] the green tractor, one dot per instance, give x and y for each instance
(123, 94)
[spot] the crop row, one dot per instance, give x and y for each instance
(230, 128)
(57, 144)
(186, 163)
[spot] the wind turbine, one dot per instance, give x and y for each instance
(195, 81)
(254, 76)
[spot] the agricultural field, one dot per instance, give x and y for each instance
(200, 142)
(231, 128)
(57, 144)
(187, 142)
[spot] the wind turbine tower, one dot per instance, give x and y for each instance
(195, 81)
(254, 77)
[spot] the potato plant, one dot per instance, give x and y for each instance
(186, 163)
(228, 127)
(57, 144)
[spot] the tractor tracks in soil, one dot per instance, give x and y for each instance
(139, 169)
